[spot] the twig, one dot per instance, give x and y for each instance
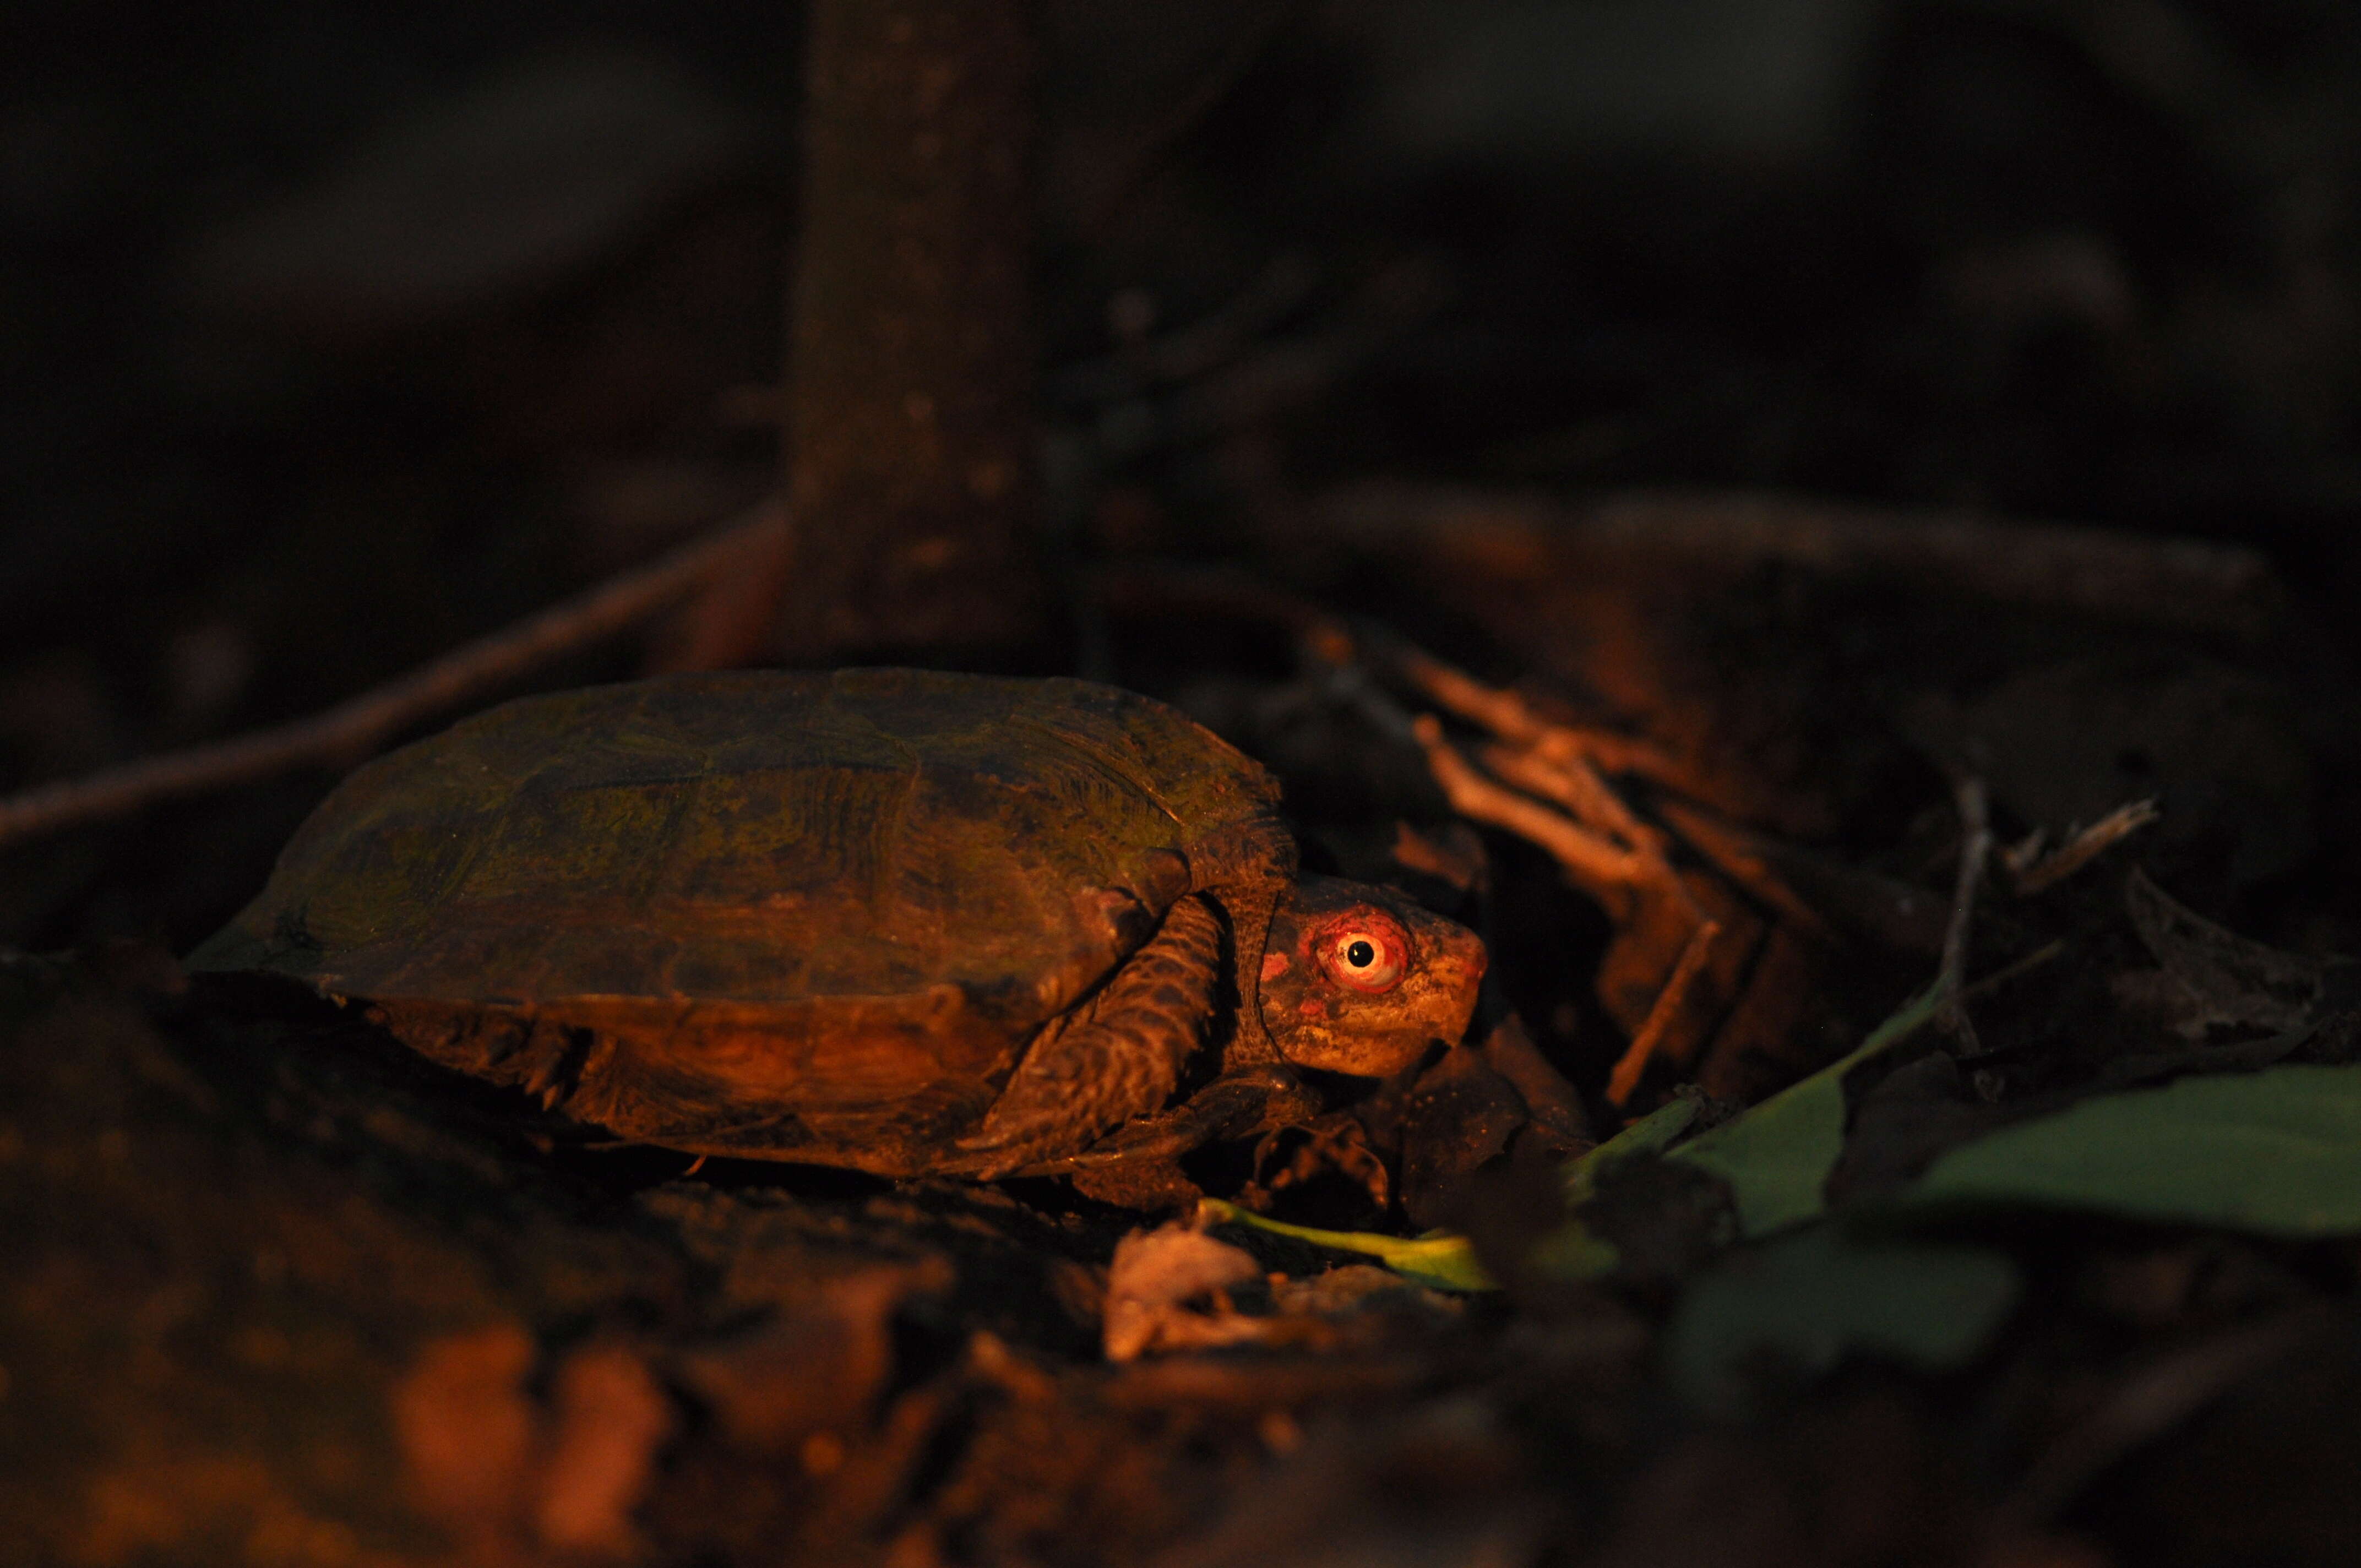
(1497, 709)
(1975, 848)
(1601, 841)
(1194, 350)
(1590, 858)
(1150, 147)
(2048, 953)
(2170, 582)
(2143, 1407)
(1573, 784)
(1634, 1060)
(352, 730)
(2000, 977)
(1603, 845)
(1508, 715)
(1366, 648)
(1287, 374)
(2034, 876)
(1757, 862)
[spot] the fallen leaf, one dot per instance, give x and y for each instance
(1154, 1277)
(1776, 1155)
(1804, 1302)
(1573, 1251)
(2221, 977)
(1441, 1258)
(2273, 1152)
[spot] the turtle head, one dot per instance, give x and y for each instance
(1360, 979)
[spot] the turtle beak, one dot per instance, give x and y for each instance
(1452, 960)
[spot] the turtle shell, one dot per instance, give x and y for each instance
(802, 915)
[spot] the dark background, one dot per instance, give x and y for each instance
(332, 335)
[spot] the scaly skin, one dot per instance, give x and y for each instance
(1122, 1057)
(1119, 1057)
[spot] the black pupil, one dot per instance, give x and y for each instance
(1360, 955)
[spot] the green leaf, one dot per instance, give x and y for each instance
(1572, 1252)
(1776, 1155)
(1805, 1301)
(2275, 1153)
(1649, 1134)
(1441, 1259)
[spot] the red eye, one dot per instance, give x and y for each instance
(1366, 950)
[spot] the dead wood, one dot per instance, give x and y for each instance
(2032, 870)
(352, 730)
(1975, 849)
(2180, 583)
(1634, 1060)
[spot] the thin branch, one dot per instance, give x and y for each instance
(1570, 782)
(2008, 973)
(1497, 709)
(1751, 860)
(352, 730)
(1368, 649)
(2145, 1404)
(1634, 1061)
(1592, 860)
(1508, 715)
(2048, 953)
(1975, 848)
(2034, 876)
(1188, 352)
(2170, 582)
(2004, 975)
(1602, 843)
(1151, 146)
(1574, 784)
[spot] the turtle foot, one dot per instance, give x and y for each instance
(1230, 1106)
(1151, 1185)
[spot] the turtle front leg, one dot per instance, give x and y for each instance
(1123, 1059)
(1236, 1104)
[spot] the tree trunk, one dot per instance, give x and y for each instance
(910, 438)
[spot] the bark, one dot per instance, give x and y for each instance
(909, 431)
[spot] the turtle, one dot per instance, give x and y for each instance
(908, 922)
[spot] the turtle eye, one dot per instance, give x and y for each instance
(1366, 949)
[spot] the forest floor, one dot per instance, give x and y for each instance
(280, 1291)
(1913, 1114)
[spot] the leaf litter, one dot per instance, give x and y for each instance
(1876, 1211)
